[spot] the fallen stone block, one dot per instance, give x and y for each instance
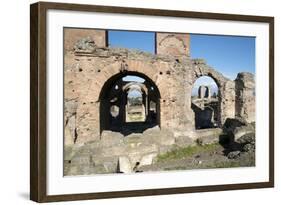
(233, 155)
(147, 159)
(124, 165)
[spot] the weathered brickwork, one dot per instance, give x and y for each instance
(89, 65)
(73, 35)
(245, 96)
(172, 44)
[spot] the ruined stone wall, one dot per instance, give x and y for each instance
(86, 74)
(90, 65)
(173, 44)
(245, 96)
(73, 35)
(226, 88)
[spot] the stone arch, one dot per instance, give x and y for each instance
(141, 89)
(110, 81)
(139, 86)
(200, 69)
(171, 36)
(205, 107)
(216, 76)
(104, 96)
(141, 68)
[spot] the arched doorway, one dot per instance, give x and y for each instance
(205, 103)
(124, 103)
(136, 102)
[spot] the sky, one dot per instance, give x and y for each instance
(143, 41)
(227, 54)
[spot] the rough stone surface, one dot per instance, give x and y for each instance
(245, 96)
(124, 165)
(184, 141)
(242, 131)
(173, 44)
(238, 127)
(147, 159)
(233, 155)
(208, 136)
(73, 35)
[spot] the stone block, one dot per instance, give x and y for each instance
(124, 165)
(147, 159)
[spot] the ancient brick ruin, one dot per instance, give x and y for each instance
(96, 96)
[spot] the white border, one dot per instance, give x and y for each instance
(57, 184)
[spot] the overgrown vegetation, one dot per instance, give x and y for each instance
(224, 164)
(181, 153)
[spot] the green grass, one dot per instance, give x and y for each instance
(136, 118)
(226, 164)
(181, 153)
(175, 168)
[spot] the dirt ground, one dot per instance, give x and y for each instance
(218, 155)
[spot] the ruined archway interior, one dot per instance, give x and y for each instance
(205, 102)
(129, 103)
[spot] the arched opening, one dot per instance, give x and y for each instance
(125, 103)
(205, 102)
(135, 107)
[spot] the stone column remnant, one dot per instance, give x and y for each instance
(208, 92)
(245, 96)
(201, 92)
(204, 92)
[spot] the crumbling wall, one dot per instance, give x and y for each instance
(89, 65)
(226, 88)
(227, 101)
(173, 44)
(86, 73)
(73, 35)
(245, 96)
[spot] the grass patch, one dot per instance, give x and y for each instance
(174, 168)
(226, 164)
(136, 118)
(181, 153)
